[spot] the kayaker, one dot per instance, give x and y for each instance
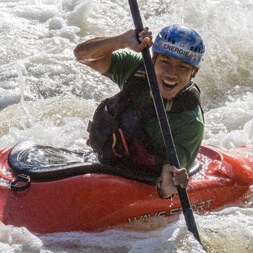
(125, 130)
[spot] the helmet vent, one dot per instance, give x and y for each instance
(194, 49)
(197, 49)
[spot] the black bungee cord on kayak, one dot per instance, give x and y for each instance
(37, 163)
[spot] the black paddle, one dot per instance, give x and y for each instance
(164, 123)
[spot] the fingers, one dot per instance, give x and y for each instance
(179, 176)
(129, 40)
(145, 37)
(170, 178)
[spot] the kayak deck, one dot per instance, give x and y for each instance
(95, 201)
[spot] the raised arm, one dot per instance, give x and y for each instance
(96, 53)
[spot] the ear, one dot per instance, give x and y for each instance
(194, 72)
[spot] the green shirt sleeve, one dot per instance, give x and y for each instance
(187, 130)
(123, 65)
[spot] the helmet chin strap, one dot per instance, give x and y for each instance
(188, 86)
(194, 72)
(190, 83)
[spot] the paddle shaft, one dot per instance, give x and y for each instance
(163, 121)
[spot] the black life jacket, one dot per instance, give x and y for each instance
(116, 132)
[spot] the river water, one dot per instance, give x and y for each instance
(47, 97)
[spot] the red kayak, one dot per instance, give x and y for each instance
(48, 190)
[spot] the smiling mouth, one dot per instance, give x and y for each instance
(169, 86)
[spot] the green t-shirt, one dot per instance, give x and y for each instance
(187, 127)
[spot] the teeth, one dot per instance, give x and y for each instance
(169, 85)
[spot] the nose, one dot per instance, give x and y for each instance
(172, 71)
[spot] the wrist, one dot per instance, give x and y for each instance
(128, 40)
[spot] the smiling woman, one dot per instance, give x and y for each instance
(126, 69)
(173, 75)
(125, 130)
(177, 55)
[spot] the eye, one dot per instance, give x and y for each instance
(165, 61)
(184, 67)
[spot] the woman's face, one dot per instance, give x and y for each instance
(172, 75)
